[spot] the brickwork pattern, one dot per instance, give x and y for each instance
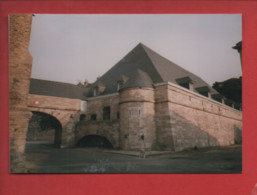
(20, 62)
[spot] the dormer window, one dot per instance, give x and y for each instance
(185, 82)
(121, 81)
(119, 85)
(218, 97)
(99, 88)
(205, 91)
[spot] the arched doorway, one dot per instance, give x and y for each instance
(44, 128)
(94, 141)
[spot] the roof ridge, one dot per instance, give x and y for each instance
(145, 47)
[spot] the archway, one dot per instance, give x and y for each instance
(44, 128)
(94, 141)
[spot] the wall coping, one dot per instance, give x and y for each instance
(194, 93)
(102, 96)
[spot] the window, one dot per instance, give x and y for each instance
(106, 113)
(205, 91)
(139, 114)
(185, 82)
(186, 85)
(82, 117)
(94, 92)
(93, 117)
(129, 114)
(118, 115)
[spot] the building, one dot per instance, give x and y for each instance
(144, 102)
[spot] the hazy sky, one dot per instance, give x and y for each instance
(70, 48)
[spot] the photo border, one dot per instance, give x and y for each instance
(137, 183)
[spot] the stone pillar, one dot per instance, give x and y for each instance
(137, 124)
(20, 62)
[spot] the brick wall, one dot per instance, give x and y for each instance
(106, 128)
(65, 110)
(20, 62)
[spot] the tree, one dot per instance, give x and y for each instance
(231, 89)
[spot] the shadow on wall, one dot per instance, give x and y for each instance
(238, 135)
(99, 131)
(94, 141)
(184, 135)
(44, 127)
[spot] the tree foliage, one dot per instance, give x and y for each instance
(231, 89)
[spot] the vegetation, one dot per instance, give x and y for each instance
(231, 89)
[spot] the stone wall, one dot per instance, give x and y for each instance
(137, 125)
(95, 106)
(65, 110)
(20, 62)
(194, 120)
(106, 128)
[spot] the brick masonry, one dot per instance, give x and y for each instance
(20, 62)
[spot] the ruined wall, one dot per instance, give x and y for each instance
(197, 121)
(66, 110)
(107, 128)
(137, 125)
(20, 62)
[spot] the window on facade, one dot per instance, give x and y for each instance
(93, 117)
(82, 117)
(118, 115)
(94, 92)
(106, 113)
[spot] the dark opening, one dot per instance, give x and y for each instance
(94, 141)
(44, 128)
(93, 117)
(82, 117)
(204, 93)
(106, 113)
(118, 115)
(186, 85)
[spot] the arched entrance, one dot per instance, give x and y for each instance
(94, 141)
(44, 128)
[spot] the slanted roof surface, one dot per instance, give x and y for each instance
(139, 79)
(158, 68)
(57, 89)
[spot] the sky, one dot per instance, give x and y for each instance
(71, 48)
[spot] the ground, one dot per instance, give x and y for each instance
(43, 158)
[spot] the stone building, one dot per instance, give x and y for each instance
(144, 102)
